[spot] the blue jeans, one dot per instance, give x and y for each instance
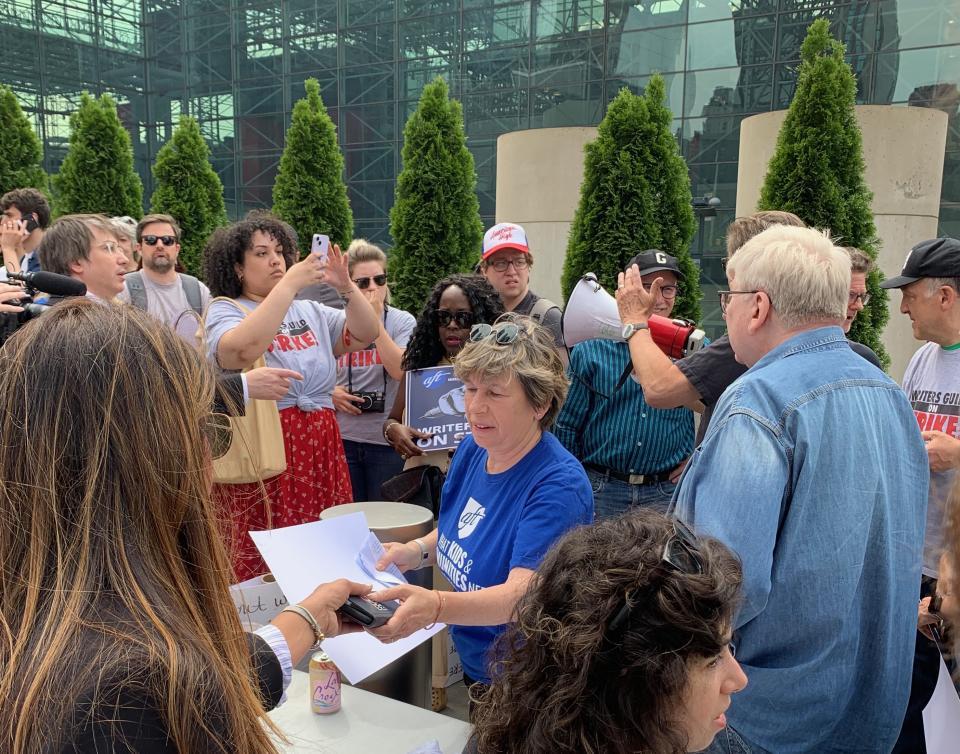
(370, 466)
(728, 741)
(611, 497)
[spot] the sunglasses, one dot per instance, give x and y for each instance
(219, 432)
(502, 334)
(364, 283)
(681, 553)
(152, 240)
(463, 319)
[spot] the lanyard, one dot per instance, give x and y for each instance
(350, 359)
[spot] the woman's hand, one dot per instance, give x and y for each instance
(326, 599)
(418, 609)
(336, 272)
(403, 439)
(10, 293)
(406, 557)
(345, 401)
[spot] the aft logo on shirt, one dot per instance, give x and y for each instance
(472, 515)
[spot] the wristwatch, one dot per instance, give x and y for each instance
(629, 331)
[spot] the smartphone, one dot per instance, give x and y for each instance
(368, 613)
(29, 221)
(321, 245)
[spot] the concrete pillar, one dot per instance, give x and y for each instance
(538, 186)
(903, 150)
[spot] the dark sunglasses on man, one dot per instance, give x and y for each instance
(463, 319)
(364, 283)
(151, 240)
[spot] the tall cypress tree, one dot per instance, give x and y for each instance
(189, 189)
(97, 173)
(435, 219)
(635, 195)
(817, 169)
(309, 192)
(21, 155)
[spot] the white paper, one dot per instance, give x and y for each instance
(305, 556)
(367, 558)
(258, 601)
(941, 716)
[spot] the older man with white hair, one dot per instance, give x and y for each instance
(814, 471)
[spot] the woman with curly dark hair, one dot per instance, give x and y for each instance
(621, 645)
(456, 304)
(254, 264)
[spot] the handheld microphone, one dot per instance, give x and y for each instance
(51, 282)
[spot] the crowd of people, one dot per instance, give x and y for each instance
(771, 568)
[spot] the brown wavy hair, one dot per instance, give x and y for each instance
(565, 681)
(113, 574)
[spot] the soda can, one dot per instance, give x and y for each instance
(324, 684)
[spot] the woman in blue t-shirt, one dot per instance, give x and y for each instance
(511, 491)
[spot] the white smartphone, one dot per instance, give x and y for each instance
(321, 245)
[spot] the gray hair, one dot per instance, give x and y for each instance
(806, 277)
(935, 283)
(859, 261)
(532, 358)
(126, 226)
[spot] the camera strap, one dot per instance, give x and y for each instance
(350, 359)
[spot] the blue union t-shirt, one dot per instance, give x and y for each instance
(492, 523)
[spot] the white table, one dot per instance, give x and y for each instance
(367, 723)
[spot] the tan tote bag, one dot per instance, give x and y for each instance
(257, 451)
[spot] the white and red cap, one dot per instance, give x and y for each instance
(504, 236)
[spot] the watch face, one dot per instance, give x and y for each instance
(627, 331)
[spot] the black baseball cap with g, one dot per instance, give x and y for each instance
(936, 258)
(654, 260)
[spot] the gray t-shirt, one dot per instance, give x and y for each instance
(304, 343)
(932, 385)
(168, 301)
(367, 373)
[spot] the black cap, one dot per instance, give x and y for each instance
(936, 258)
(654, 260)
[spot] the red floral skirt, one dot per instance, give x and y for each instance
(316, 478)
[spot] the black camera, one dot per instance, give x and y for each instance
(9, 323)
(372, 401)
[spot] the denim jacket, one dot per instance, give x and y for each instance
(813, 470)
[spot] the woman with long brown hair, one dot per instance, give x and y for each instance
(117, 631)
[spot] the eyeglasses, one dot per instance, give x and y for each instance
(364, 283)
(863, 298)
(463, 319)
(725, 298)
(111, 247)
(219, 432)
(152, 240)
(681, 553)
(502, 334)
(668, 291)
(500, 265)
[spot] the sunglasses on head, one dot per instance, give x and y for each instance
(152, 240)
(463, 319)
(364, 283)
(502, 334)
(219, 432)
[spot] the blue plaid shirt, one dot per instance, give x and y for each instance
(618, 430)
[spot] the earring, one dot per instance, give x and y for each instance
(240, 276)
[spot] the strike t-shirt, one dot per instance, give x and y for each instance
(304, 343)
(492, 523)
(367, 374)
(932, 385)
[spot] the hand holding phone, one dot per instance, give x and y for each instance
(368, 613)
(320, 246)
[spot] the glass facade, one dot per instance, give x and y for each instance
(239, 65)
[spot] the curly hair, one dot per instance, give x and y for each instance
(565, 681)
(226, 246)
(424, 348)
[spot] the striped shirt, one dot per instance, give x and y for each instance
(620, 432)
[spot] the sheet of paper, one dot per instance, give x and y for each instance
(367, 559)
(258, 601)
(305, 556)
(941, 716)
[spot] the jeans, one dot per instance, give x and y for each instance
(370, 466)
(611, 497)
(728, 741)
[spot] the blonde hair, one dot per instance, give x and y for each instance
(361, 250)
(806, 277)
(114, 579)
(742, 229)
(532, 358)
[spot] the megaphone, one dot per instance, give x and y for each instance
(591, 312)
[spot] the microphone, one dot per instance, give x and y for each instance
(51, 282)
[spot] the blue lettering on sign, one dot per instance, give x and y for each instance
(433, 380)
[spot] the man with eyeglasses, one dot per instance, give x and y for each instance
(158, 288)
(85, 247)
(632, 453)
(506, 264)
(814, 472)
(860, 266)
